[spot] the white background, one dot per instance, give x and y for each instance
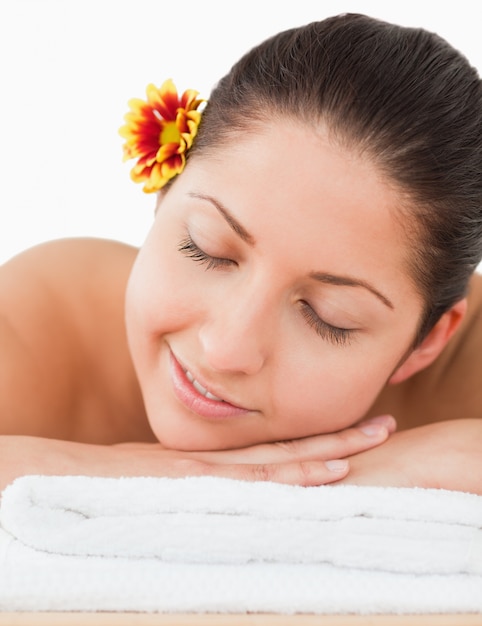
(68, 68)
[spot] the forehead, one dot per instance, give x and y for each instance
(307, 152)
(295, 178)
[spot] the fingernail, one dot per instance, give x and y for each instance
(381, 420)
(337, 466)
(372, 430)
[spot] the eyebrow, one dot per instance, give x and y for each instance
(322, 277)
(348, 281)
(230, 219)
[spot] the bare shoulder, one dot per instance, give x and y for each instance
(63, 281)
(54, 260)
(61, 323)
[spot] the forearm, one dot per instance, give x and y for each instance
(459, 464)
(311, 461)
(21, 455)
(444, 455)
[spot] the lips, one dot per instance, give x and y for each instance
(195, 397)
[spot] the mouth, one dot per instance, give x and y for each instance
(197, 385)
(197, 398)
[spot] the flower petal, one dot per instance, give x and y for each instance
(158, 132)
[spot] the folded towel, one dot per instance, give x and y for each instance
(220, 545)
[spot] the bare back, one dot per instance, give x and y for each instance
(65, 370)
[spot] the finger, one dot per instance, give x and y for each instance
(304, 473)
(319, 447)
(336, 445)
(385, 420)
(341, 444)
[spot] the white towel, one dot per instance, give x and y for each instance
(218, 545)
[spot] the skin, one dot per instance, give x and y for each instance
(248, 329)
(246, 323)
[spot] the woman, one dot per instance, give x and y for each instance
(307, 276)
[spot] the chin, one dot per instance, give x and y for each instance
(197, 437)
(187, 439)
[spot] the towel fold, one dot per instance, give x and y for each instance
(213, 544)
(209, 520)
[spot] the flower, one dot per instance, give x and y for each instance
(159, 132)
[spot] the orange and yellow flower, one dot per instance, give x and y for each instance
(159, 132)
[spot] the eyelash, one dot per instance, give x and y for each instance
(334, 334)
(337, 336)
(194, 252)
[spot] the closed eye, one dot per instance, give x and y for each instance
(334, 334)
(191, 250)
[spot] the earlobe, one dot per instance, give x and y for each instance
(433, 344)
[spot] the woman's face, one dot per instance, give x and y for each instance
(271, 299)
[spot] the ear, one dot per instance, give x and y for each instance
(433, 344)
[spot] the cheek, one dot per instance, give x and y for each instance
(160, 296)
(328, 392)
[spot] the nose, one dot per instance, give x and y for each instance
(236, 335)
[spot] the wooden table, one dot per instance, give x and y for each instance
(258, 619)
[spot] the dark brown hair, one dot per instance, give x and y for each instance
(402, 96)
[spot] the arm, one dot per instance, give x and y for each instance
(312, 461)
(443, 455)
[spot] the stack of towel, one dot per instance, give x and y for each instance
(210, 544)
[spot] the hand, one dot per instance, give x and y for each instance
(444, 455)
(311, 461)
